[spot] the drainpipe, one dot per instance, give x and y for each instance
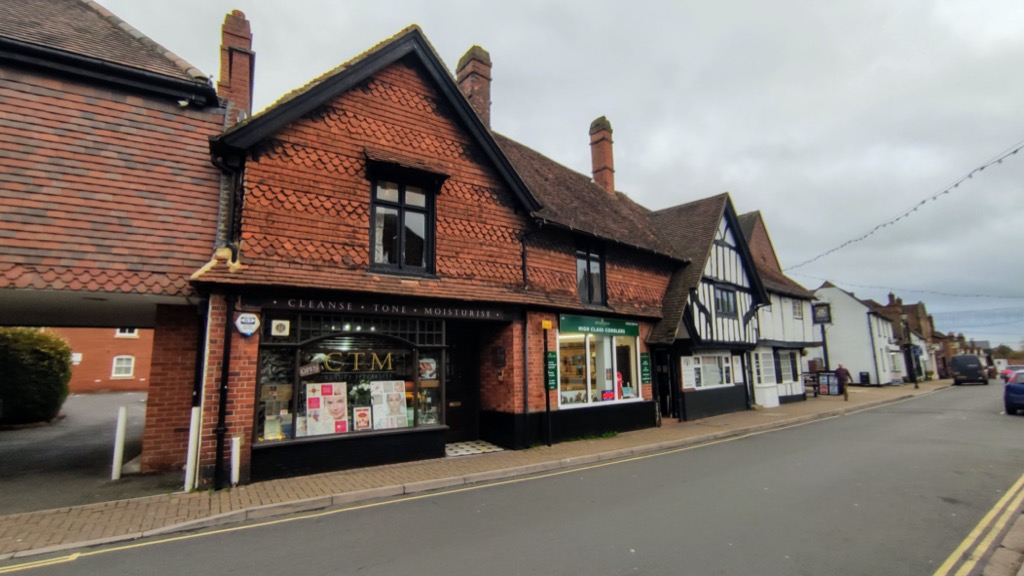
(225, 365)
(202, 337)
(526, 369)
(874, 353)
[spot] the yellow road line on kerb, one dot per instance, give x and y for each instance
(984, 533)
(39, 564)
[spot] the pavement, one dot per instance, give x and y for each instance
(92, 524)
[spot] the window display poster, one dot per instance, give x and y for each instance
(326, 409)
(428, 368)
(361, 418)
(389, 409)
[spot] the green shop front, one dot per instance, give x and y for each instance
(602, 375)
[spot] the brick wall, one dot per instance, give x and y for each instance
(306, 212)
(241, 393)
(168, 404)
(96, 349)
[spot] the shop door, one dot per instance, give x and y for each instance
(462, 384)
(663, 383)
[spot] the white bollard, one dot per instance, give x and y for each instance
(122, 423)
(193, 448)
(236, 459)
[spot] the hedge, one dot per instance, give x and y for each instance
(35, 368)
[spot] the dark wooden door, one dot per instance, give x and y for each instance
(462, 383)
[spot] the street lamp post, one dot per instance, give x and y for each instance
(908, 350)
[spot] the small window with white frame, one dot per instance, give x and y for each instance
(127, 333)
(798, 309)
(124, 367)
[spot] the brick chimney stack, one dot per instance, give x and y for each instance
(237, 66)
(474, 77)
(601, 154)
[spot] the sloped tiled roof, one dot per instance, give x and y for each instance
(691, 229)
(573, 201)
(86, 29)
(768, 268)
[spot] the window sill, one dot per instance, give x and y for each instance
(398, 272)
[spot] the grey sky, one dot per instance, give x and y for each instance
(828, 117)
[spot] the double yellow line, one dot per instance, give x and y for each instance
(984, 533)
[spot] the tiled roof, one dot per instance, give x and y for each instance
(572, 200)
(768, 268)
(691, 229)
(91, 279)
(87, 29)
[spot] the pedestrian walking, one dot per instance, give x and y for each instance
(843, 375)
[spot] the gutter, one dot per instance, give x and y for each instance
(197, 92)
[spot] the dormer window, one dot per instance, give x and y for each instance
(403, 227)
(402, 214)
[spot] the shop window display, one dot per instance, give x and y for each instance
(596, 369)
(345, 385)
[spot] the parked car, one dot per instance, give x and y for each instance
(967, 368)
(1013, 394)
(1009, 370)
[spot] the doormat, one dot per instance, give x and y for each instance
(468, 448)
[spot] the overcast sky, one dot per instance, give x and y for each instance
(831, 118)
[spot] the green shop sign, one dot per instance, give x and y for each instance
(645, 368)
(552, 370)
(589, 325)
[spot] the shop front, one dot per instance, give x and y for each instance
(352, 384)
(603, 377)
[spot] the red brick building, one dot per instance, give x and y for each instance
(389, 245)
(108, 359)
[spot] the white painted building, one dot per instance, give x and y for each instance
(859, 338)
(785, 326)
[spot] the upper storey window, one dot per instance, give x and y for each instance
(402, 221)
(590, 275)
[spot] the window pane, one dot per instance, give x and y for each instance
(596, 283)
(603, 375)
(415, 239)
(414, 196)
(785, 366)
(572, 370)
(582, 280)
(385, 237)
(627, 377)
(387, 191)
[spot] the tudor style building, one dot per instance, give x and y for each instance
(710, 316)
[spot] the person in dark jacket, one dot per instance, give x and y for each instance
(843, 375)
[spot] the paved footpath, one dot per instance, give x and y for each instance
(50, 531)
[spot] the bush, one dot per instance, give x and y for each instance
(35, 367)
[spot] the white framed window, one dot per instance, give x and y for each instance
(798, 309)
(127, 333)
(711, 371)
(124, 367)
(764, 368)
(597, 368)
(785, 366)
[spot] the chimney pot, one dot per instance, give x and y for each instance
(473, 75)
(602, 161)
